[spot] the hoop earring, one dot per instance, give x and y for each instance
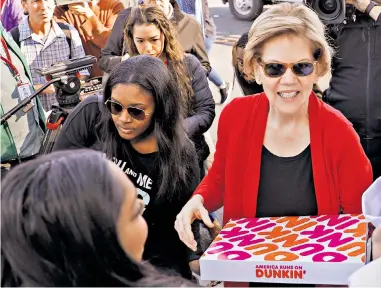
(26, 13)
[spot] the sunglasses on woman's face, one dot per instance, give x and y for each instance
(276, 69)
(135, 112)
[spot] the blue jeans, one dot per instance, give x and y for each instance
(213, 75)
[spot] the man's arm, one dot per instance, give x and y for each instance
(361, 5)
(95, 31)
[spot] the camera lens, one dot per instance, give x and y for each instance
(328, 6)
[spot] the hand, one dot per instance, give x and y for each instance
(81, 9)
(125, 57)
(194, 209)
(195, 266)
(376, 243)
(359, 4)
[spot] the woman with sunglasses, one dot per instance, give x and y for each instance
(138, 126)
(72, 219)
(149, 32)
(283, 152)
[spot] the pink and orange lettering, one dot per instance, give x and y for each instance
(292, 222)
(358, 231)
(329, 257)
(219, 247)
(313, 248)
(234, 255)
(245, 240)
(360, 248)
(235, 232)
(305, 226)
(274, 233)
(281, 256)
(252, 222)
(335, 239)
(319, 231)
(291, 240)
(267, 247)
(334, 220)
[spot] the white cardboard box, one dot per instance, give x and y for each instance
(300, 250)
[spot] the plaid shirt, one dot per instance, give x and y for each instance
(41, 54)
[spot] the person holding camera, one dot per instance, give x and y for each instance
(45, 42)
(21, 135)
(356, 76)
(94, 21)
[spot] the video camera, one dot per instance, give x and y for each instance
(331, 11)
(67, 90)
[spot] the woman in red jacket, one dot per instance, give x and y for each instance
(282, 152)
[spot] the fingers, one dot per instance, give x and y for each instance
(205, 218)
(183, 228)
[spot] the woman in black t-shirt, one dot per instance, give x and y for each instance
(149, 32)
(138, 125)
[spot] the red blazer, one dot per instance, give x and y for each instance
(341, 171)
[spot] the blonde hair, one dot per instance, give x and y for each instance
(288, 19)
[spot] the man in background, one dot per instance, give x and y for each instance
(45, 42)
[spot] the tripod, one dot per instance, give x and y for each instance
(67, 103)
(64, 76)
(68, 98)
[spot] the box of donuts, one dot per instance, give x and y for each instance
(323, 249)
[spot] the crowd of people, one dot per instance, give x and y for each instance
(120, 199)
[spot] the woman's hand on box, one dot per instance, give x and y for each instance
(194, 209)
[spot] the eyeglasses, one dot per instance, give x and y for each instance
(276, 69)
(135, 112)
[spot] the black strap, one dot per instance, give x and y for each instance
(15, 33)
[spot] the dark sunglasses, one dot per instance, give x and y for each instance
(276, 69)
(135, 112)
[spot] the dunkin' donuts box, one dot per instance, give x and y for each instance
(299, 250)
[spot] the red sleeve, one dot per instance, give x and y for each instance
(212, 187)
(355, 173)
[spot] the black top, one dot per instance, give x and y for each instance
(286, 186)
(163, 247)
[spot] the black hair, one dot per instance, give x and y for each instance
(177, 156)
(59, 215)
(242, 41)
